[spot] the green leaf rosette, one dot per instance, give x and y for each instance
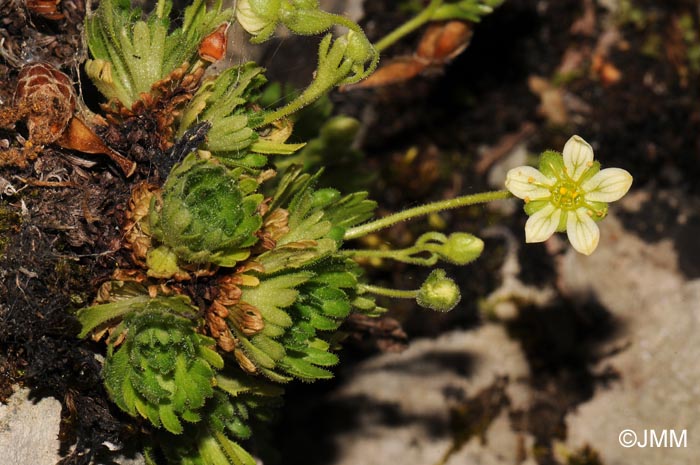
(207, 214)
(162, 370)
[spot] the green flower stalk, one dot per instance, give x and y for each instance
(457, 248)
(340, 61)
(440, 10)
(438, 292)
(207, 214)
(162, 370)
(468, 10)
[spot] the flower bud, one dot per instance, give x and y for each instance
(461, 248)
(438, 292)
(258, 17)
(359, 49)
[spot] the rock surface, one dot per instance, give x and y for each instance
(416, 384)
(655, 353)
(29, 430)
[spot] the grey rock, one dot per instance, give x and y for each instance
(414, 384)
(656, 350)
(29, 430)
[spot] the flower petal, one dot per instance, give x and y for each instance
(527, 182)
(582, 231)
(578, 157)
(541, 225)
(607, 185)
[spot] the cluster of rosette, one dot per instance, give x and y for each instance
(233, 281)
(272, 289)
(235, 287)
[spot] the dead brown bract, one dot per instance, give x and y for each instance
(45, 100)
(162, 104)
(440, 44)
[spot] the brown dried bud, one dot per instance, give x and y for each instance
(47, 9)
(228, 291)
(136, 229)
(226, 342)
(247, 319)
(218, 309)
(213, 47)
(245, 363)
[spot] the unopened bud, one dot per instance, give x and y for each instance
(438, 292)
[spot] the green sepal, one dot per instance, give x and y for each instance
(561, 227)
(589, 173)
(600, 210)
(552, 164)
(534, 206)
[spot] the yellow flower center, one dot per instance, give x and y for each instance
(566, 195)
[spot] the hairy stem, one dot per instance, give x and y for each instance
(372, 226)
(395, 293)
(408, 27)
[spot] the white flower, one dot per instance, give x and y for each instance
(568, 193)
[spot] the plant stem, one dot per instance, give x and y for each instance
(385, 291)
(401, 255)
(310, 94)
(160, 9)
(408, 27)
(372, 226)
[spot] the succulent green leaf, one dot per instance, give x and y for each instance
(237, 383)
(92, 317)
(275, 148)
(274, 294)
(295, 365)
(225, 103)
(234, 452)
(351, 210)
